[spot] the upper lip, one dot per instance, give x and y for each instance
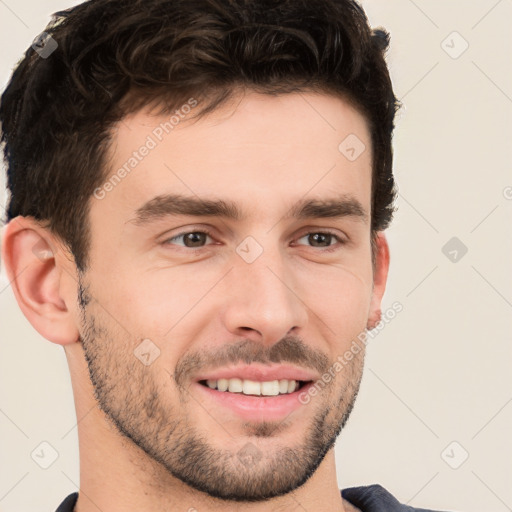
(259, 373)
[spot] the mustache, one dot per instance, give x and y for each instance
(290, 349)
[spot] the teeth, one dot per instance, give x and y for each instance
(270, 388)
(222, 384)
(251, 387)
(235, 385)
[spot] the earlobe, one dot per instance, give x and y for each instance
(380, 276)
(29, 254)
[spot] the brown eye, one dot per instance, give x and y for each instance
(323, 240)
(191, 239)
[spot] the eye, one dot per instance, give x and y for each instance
(323, 237)
(191, 239)
(196, 239)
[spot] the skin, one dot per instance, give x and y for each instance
(147, 439)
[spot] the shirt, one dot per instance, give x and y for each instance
(371, 498)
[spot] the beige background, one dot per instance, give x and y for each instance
(440, 371)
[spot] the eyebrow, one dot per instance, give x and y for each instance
(174, 204)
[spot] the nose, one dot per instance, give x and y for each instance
(262, 303)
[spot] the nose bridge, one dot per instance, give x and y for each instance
(261, 291)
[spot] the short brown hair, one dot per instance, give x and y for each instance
(115, 56)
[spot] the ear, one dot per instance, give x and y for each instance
(380, 276)
(39, 280)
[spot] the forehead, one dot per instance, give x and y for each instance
(259, 150)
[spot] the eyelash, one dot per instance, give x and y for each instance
(210, 234)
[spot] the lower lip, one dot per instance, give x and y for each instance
(257, 408)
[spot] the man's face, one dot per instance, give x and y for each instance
(165, 305)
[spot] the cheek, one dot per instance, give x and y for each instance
(156, 303)
(344, 308)
(339, 294)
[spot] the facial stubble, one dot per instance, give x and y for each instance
(134, 402)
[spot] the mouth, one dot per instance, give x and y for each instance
(253, 400)
(256, 388)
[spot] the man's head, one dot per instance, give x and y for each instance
(264, 130)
